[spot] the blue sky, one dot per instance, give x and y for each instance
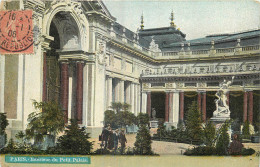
(195, 18)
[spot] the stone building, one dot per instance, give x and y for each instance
(85, 60)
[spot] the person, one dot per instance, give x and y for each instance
(236, 146)
(110, 140)
(116, 138)
(104, 136)
(122, 140)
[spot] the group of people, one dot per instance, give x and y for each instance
(110, 139)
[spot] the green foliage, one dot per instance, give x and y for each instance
(119, 116)
(193, 123)
(116, 106)
(75, 140)
(143, 141)
(223, 140)
(201, 151)
(48, 119)
(142, 119)
(161, 131)
(124, 118)
(209, 134)
(110, 118)
(245, 130)
(206, 150)
(3, 123)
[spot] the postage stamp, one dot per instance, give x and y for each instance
(16, 32)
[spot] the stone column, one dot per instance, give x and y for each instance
(64, 89)
(121, 91)
(176, 107)
(144, 102)
(132, 97)
(137, 99)
(171, 107)
(44, 77)
(204, 116)
(149, 104)
(109, 91)
(128, 93)
(245, 107)
(79, 91)
(250, 107)
(167, 107)
(181, 106)
(199, 101)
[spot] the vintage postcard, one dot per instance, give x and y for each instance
(130, 83)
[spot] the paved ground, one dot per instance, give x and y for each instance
(159, 147)
(167, 148)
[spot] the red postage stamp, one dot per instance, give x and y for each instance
(16, 32)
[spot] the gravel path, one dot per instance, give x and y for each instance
(159, 147)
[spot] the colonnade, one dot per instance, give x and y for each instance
(118, 90)
(175, 101)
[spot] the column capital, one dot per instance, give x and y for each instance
(248, 90)
(80, 61)
(201, 91)
(64, 61)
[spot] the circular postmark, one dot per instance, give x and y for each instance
(16, 31)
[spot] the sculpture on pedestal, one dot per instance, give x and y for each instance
(222, 109)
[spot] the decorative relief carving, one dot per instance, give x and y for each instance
(179, 85)
(145, 85)
(154, 47)
(169, 85)
(202, 84)
(101, 53)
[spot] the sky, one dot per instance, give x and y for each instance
(195, 18)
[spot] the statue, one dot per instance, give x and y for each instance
(222, 109)
(153, 114)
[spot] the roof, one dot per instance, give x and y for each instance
(251, 37)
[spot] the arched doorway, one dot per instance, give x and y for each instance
(63, 80)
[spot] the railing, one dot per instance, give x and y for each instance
(225, 50)
(200, 52)
(249, 48)
(170, 53)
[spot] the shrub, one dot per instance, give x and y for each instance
(3, 124)
(201, 150)
(248, 151)
(142, 119)
(223, 140)
(246, 130)
(75, 140)
(143, 141)
(209, 134)
(47, 119)
(193, 123)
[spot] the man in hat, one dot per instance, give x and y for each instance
(122, 140)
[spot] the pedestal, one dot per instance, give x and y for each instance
(154, 124)
(218, 122)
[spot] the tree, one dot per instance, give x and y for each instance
(3, 124)
(143, 141)
(75, 140)
(124, 118)
(48, 119)
(110, 118)
(209, 134)
(119, 116)
(142, 119)
(245, 130)
(193, 123)
(223, 139)
(116, 106)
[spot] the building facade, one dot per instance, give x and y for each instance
(85, 60)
